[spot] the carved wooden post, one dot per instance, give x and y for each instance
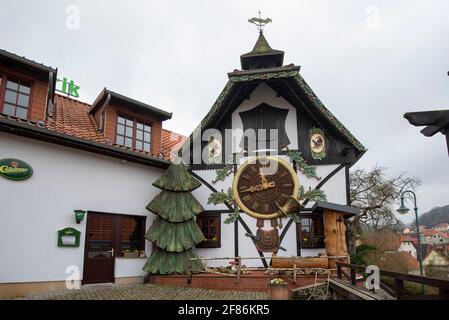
(339, 273)
(239, 269)
(294, 268)
(399, 286)
(353, 276)
(334, 236)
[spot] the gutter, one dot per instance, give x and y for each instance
(44, 134)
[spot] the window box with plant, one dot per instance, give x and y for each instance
(131, 253)
(278, 289)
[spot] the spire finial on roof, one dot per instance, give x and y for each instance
(259, 22)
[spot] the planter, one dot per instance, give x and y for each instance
(130, 254)
(279, 291)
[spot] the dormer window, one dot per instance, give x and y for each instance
(16, 98)
(133, 133)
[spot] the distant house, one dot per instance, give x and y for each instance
(433, 237)
(436, 259)
(409, 245)
(442, 227)
(406, 230)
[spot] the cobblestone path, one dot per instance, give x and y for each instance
(145, 292)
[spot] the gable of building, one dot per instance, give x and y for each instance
(286, 84)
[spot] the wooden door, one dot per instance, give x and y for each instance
(99, 258)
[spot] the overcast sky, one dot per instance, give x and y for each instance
(369, 62)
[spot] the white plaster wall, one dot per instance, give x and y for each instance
(264, 94)
(64, 179)
(126, 267)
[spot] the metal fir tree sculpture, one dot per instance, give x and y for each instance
(174, 232)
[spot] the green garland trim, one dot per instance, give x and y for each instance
(221, 197)
(302, 165)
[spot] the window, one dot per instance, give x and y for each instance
(133, 134)
(122, 233)
(210, 226)
(310, 232)
(16, 98)
(132, 233)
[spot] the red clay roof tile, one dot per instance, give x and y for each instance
(71, 117)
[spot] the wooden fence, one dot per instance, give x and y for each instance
(398, 278)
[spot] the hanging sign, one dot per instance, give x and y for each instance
(15, 169)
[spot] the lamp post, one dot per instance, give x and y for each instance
(403, 210)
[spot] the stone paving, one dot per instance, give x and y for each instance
(145, 292)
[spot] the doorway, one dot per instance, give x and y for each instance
(99, 260)
(109, 236)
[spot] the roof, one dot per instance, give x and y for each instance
(442, 225)
(161, 114)
(347, 210)
(72, 122)
(71, 117)
(427, 232)
(286, 72)
(412, 263)
(30, 63)
(262, 49)
(434, 121)
(171, 142)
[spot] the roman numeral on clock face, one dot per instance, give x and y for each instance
(266, 207)
(255, 205)
(284, 196)
(283, 174)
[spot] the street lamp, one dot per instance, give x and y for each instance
(403, 210)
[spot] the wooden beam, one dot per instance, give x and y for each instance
(318, 186)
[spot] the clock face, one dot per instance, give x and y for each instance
(263, 184)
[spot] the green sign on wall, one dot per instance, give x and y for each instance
(15, 169)
(68, 237)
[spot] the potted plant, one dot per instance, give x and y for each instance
(278, 289)
(130, 253)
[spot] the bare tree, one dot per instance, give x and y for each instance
(376, 194)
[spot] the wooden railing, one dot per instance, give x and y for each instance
(399, 278)
(296, 270)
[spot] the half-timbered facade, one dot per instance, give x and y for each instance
(268, 109)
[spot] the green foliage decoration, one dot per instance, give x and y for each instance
(221, 197)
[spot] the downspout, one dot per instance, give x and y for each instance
(101, 110)
(50, 108)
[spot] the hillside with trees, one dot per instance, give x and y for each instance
(434, 217)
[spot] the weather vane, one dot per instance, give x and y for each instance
(259, 22)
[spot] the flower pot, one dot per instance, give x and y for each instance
(279, 291)
(130, 254)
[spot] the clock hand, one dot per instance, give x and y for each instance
(260, 187)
